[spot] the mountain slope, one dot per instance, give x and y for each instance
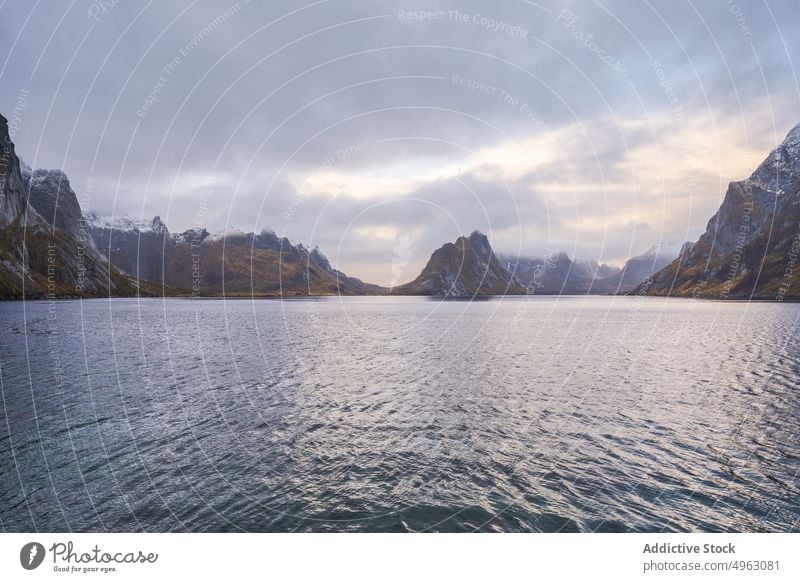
(466, 268)
(750, 246)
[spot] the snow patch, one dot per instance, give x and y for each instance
(228, 231)
(119, 222)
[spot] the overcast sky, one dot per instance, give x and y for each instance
(380, 130)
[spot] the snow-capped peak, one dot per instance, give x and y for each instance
(118, 222)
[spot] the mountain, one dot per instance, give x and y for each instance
(229, 262)
(750, 246)
(641, 267)
(44, 249)
(466, 268)
(558, 274)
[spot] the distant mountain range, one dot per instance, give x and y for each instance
(230, 262)
(48, 248)
(558, 274)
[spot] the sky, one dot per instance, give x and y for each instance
(378, 131)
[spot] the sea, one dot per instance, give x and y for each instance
(399, 414)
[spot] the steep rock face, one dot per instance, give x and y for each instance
(230, 262)
(43, 249)
(466, 268)
(749, 247)
(12, 207)
(13, 202)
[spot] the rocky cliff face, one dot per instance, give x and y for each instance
(44, 249)
(12, 200)
(230, 262)
(750, 246)
(466, 268)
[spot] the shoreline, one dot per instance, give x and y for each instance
(438, 297)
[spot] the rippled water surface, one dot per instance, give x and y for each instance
(400, 414)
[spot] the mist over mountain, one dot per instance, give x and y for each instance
(466, 268)
(639, 268)
(558, 274)
(230, 262)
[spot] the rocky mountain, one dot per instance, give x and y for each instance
(750, 246)
(466, 268)
(229, 262)
(44, 249)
